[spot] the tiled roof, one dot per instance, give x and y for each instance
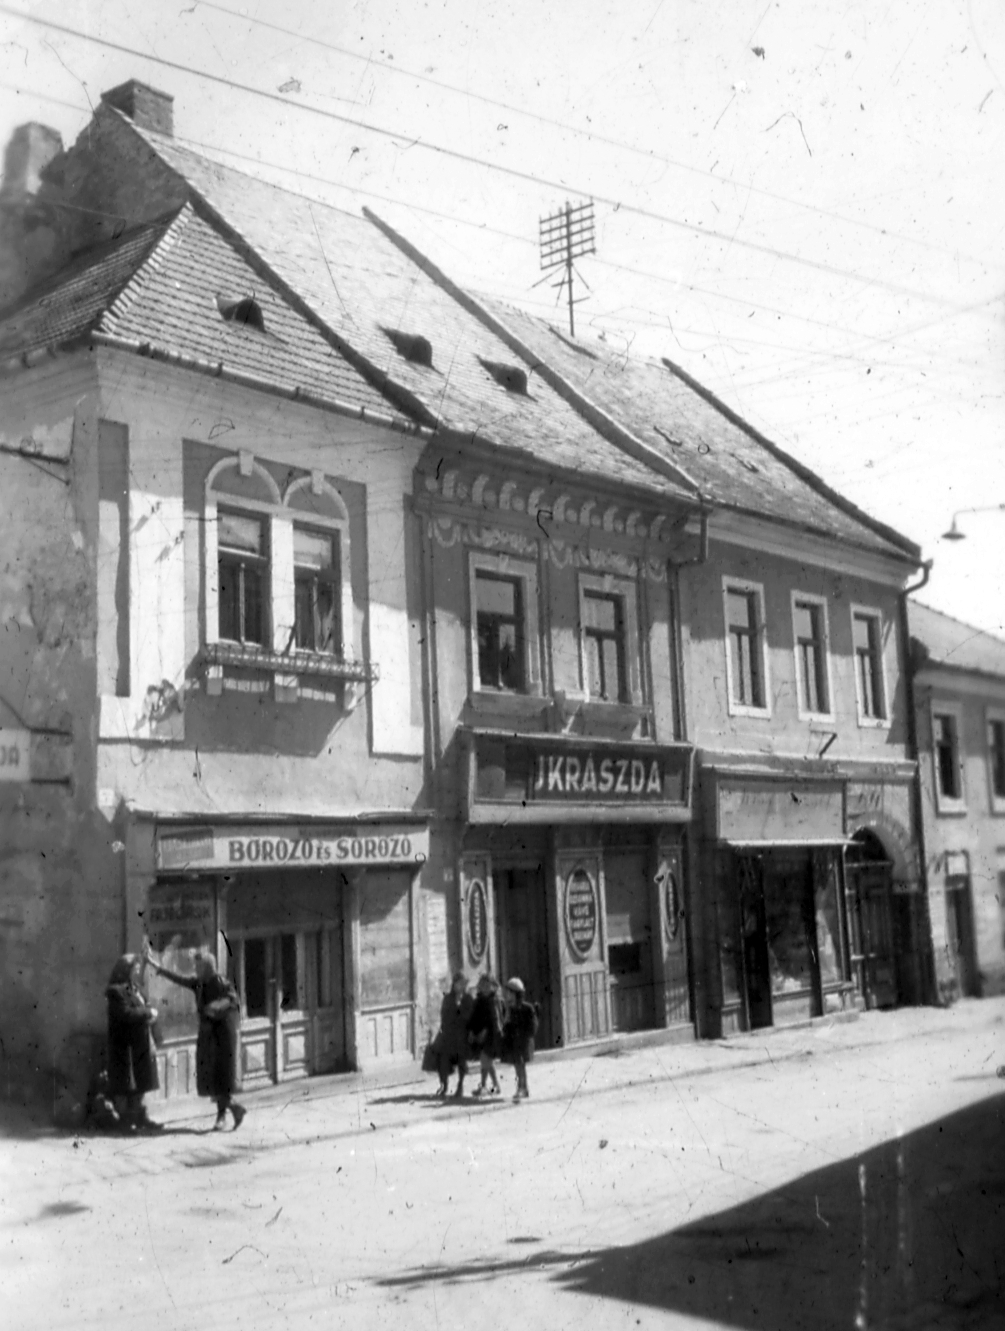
(162, 286)
(733, 466)
(69, 306)
(945, 641)
(355, 280)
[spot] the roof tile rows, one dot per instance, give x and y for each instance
(949, 642)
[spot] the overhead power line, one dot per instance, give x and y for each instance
(392, 67)
(454, 154)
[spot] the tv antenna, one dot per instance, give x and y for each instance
(564, 237)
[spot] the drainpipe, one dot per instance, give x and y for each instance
(698, 965)
(925, 922)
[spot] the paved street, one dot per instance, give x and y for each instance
(847, 1174)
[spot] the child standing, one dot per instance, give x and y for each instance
(485, 1033)
(518, 1034)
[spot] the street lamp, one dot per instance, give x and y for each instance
(954, 533)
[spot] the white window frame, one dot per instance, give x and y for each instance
(507, 566)
(627, 590)
(756, 589)
(280, 604)
(997, 802)
(811, 598)
(946, 804)
(870, 722)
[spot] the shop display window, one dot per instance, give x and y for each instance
(385, 937)
(827, 920)
(790, 928)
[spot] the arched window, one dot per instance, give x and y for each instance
(277, 577)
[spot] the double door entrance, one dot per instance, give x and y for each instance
(521, 941)
(286, 934)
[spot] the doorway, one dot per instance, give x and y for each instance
(286, 936)
(629, 940)
(521, 919)
(754, 956)
(960, 935)
(869, 886)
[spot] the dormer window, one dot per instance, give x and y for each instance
(510, 377)
(411, 347)
(245, 312)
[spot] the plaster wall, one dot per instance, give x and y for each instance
(248, 752)
(61, 917)
(974, 835)
(783, 732)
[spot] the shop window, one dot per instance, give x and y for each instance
(746, 655)
(385, 938)
(809, 628)
(870, 685)
(996, 759)
(790, 928)
(255, 976)
(318, 591)
(625, 958)
(290, 986)
(505, 652)
(949, 796)
(243, 577)
(609, 640)
(500, 625)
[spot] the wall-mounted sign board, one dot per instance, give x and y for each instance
(15, 755)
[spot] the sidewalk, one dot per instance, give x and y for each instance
(555, 1075)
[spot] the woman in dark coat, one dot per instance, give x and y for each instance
(518, 1034)
(218, 1047)
(485, 1031)
(455, 1012)
(132, 1068)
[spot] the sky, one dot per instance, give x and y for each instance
(798, 201)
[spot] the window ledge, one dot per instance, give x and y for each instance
(950, 808)
(287, 669)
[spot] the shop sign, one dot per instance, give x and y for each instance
(295, 848)
(667, 880)
(478, 933)
(15, 755)
(580, 912)
(188, 913)
(781, 811)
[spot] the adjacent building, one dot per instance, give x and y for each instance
(959, 688)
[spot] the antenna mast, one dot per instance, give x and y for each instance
(564, 237)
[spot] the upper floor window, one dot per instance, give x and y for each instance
(949, 796)
(243, 577)
(604, 646)
(746, 664)
(317, 590)
(809, 626)
(278, 587)
(500, 627)
(867, 641)
(996, 759)
(505, 649)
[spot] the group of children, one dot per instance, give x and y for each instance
(482, 1025)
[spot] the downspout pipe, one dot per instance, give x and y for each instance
(928, 995)
(698, 965)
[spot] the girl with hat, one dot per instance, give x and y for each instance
(484, 1031)
(518, 1034)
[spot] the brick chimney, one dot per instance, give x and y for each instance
(147, 107)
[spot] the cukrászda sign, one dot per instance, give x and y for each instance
(280, 848)
(559, 776)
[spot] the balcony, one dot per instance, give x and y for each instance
(233, 661)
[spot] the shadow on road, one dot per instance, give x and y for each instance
(907, 1235)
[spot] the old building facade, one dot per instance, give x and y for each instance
(389, 632)
(959, 687)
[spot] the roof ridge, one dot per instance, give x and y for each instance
(398, 397)
(135, 284)
(601, 421)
